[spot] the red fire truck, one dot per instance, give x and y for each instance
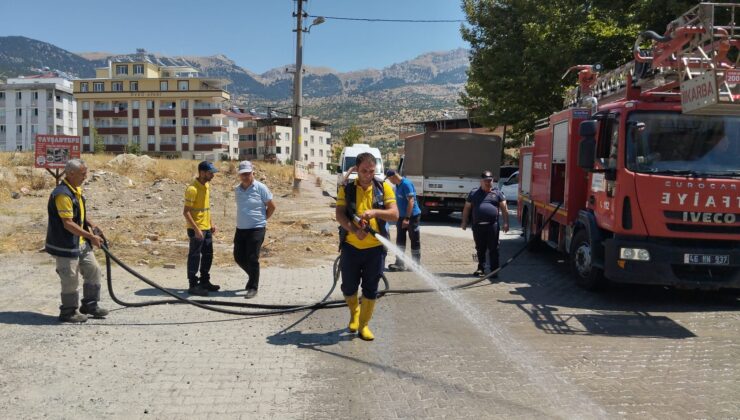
(639, 175)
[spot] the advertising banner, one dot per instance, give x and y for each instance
(53, 152)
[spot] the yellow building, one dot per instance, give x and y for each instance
(167, 110)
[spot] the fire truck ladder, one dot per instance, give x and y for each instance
(697, 59)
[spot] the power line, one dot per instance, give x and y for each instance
(393, 20)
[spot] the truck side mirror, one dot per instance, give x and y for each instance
(587, 146)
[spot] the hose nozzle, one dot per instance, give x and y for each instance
(364, 225)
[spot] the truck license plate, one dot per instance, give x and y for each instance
(706, 259)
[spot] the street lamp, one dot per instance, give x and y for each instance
(298, 90)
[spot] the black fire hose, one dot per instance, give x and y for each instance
(271, 309)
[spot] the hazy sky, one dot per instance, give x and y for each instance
(256, 34)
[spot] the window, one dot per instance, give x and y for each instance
(287, 136)
(35, 112)
(84, 87)
(135, 139)
(163, 85)
(321, 152)
(85, 139)
(19, 112)
(34, 128)
(58, 114)
(85, 122)
(135, 104)
(328, 141)
(2, 95)
(305, 130)
(182, 85)
(35, 95)
(185, 139)
(277, 150)
(312, 154)
(311, 139)
(138, 69)
(184, 104)
(19, 96)
(86, 105)
(150, 139)
(287, 150)
(98, 87)
(2, 113)
(133, 86)
(121, 69)
(2, 128)
(117, 86)
(150, 122)
(135, 122)
(149, 104)
(305, 142)
(184, 122)
(19, 129)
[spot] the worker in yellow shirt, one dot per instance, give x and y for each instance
(70, 236)
(197, 213)
(373, 203)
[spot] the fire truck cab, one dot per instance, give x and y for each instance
(637, 181)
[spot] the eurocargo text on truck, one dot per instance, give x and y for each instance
(642, 168)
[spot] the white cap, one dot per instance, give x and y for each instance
(245, 166)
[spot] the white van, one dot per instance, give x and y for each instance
(347, 160)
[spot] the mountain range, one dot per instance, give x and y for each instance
(376, 100)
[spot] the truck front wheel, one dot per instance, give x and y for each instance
(581, 262)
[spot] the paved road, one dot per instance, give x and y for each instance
(529, 346)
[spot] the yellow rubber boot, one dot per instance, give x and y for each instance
(354, 312)
(366, 312)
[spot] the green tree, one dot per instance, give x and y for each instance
(352, 135)
(134, 148)
(520, 50)
(98, 142)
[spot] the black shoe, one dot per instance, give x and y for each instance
(250, 293)
(479, 273)
(197, 291)
(72, 316)
(209, 286)
(93, 310)
(396, 267)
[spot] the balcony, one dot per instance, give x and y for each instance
(168, 129)
(112, 130)
(166, 112)
(208, 129)
(112, 112)
(206, 112)
(115, 148)
(201, 147)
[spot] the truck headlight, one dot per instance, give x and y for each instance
(634, 254)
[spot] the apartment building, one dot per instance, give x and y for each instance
(270, 139)
(38, 104)
(166, 110)
(235, 120)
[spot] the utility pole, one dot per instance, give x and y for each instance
(298, 94)
(296, 153)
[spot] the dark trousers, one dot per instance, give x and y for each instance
(247, 246)
(486, 242)
(200, 256)
(413, 232)
(361, 267)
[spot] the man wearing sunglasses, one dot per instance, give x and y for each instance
(485, 203)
